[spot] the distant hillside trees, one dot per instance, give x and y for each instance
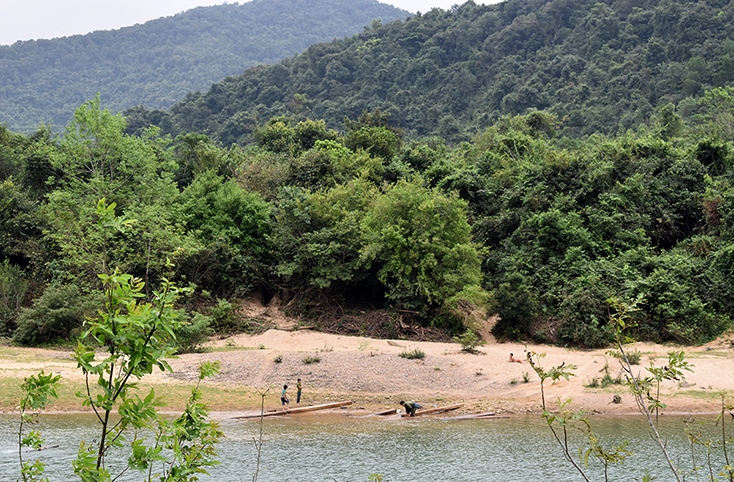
(600, 67)
(157, 63)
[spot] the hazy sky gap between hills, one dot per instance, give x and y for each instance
(46, 19)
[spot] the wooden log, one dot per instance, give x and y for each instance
(296, 410)
(471, 416)
(392, 411)
(319, 407)
(436, 410)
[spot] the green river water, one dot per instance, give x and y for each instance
(349, 449)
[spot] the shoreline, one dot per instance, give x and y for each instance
(372, 373)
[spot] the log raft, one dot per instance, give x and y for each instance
(292, 411)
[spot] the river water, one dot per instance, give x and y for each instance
(348, 449)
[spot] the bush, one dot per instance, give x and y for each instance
(634, 357)
(469, 341)
(418, 240)
(13, 289)
(416, 353)
(311, 359)
(516, 307)
(192, 333)
(57, 315)
(223, 317)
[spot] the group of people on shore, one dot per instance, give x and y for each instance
(410, 406)
(284, 395)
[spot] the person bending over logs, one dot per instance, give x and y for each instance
(410, 407)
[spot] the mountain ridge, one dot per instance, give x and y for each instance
(158, 62)
(601, 67)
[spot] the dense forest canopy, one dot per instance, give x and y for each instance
(155, 64)
(511, 223)
(600, 66)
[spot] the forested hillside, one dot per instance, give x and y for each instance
(601, 66)
(157, 63)
(365, 224)
(338, 223)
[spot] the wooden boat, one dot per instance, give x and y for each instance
(291, 411)
(436, 410)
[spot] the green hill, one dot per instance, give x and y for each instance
(155, 64)
(602, 67)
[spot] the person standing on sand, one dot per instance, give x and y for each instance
(299, 387)
(410, 407)
(284, 397)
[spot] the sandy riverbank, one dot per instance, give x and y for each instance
(372, 373)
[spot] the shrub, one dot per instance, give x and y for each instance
(192, 333)
(418, 241)
(13, 289)
(57, 315)
(634, 357)
(416, 353)
(278, 358)
(223, 317)
(469, 341)
(515, 305)
(311, 359)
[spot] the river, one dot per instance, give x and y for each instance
(348, 449)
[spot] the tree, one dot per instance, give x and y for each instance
(97, 160)
(230, 228)
(319, 236)
(138, 338)
(419, 241)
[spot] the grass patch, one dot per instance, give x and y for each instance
(311, 359)
(414, 354)
(634, 357)
(219, 349)
(216, 396)
(700, 394)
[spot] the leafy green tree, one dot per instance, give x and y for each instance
(58, 314)
(330, 163)
(38, 391)
(97, 160)
(230, 226)
(276, 135)
(21, 225)
(138, 337)
(307, 133)
(516, 306)
(13, 291)
(196, 153)
(319, 236)
(418, 240)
